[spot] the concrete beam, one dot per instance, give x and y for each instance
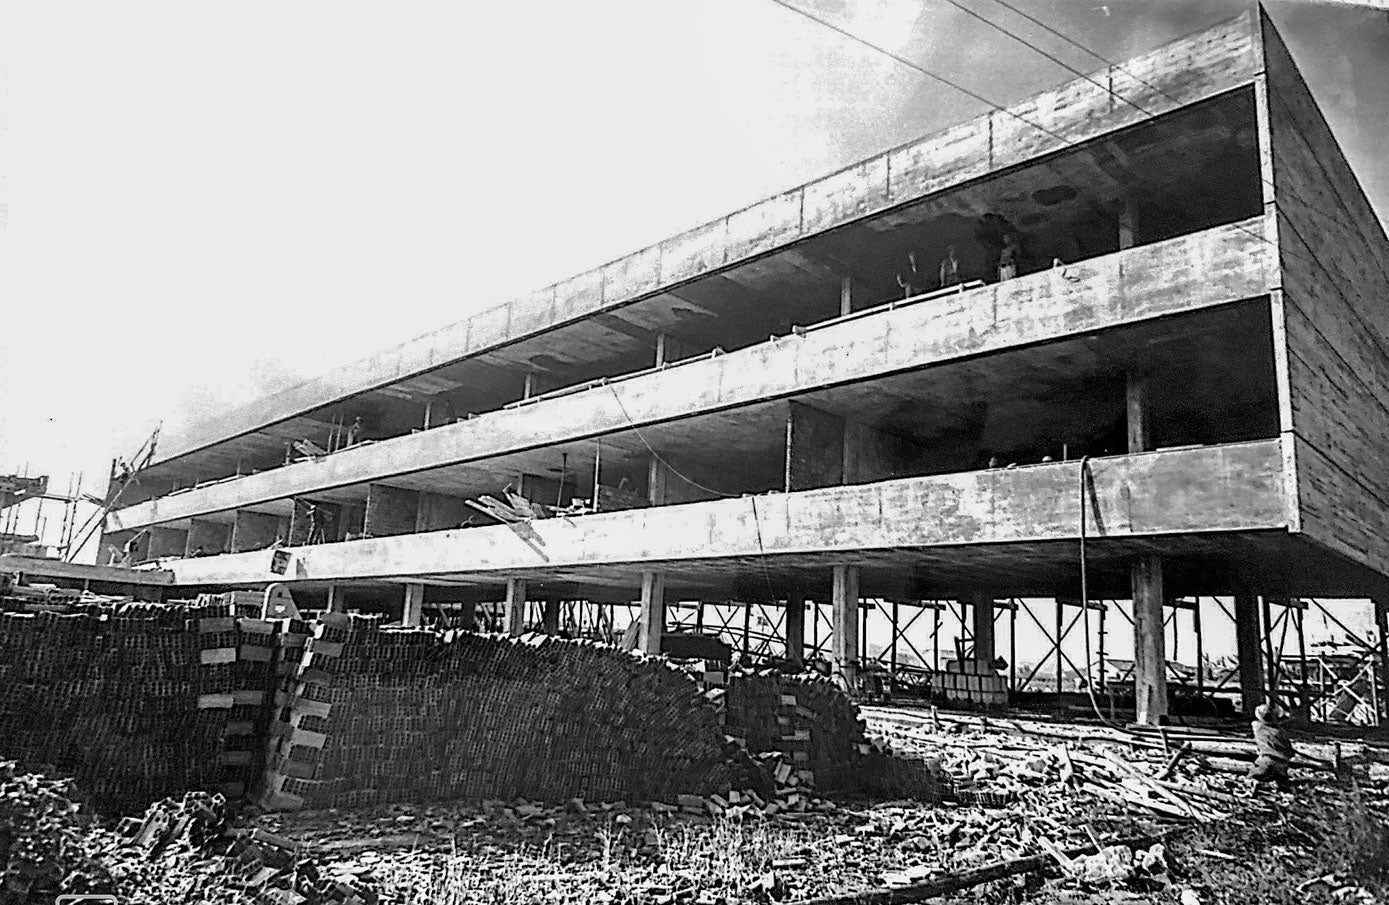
(1189, 273)
(1219, 488)
(653, 612)
(1190, 69)
(412, 610)
(1149, 641)
(515, 606)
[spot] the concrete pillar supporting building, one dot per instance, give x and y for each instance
(515, 606)
(336, 600)
(412, 613)
(1149, 640)
(846, 621)
(550, 617)
(1136, 411)
(846, 295)
(982, 610)
(1128, 225)
(653, 612)
(468, 615)
(1381, 605)
(657, 473)
(1248, 631)
(795, 630)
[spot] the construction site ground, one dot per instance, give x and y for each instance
(1029, 800)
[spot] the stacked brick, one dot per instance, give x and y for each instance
(972, 683)
(109, 695)
(376, 715)
(809, 722)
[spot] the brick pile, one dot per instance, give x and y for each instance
(376, 715)
(808, 721)
(110, 694)
(972, 683)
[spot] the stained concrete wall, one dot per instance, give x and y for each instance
(390, 510)
(1197, 271)
(210, 537)
(254, 531)
(1182, 72)
(167, 542)
(815, 448)
(1335, 322)
(438, 511)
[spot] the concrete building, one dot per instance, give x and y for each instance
(1190, 369)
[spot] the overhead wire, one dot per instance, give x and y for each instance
(1073, 145)
(752, 498)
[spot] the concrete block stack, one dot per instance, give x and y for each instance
(109, 695)
(378, 715)
(972, 683)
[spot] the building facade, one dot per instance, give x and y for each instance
(1147, 319)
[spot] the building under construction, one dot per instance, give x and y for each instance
(1124, 340)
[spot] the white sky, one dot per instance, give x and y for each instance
(201, 203)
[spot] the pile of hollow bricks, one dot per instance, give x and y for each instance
(112, 695)
(375, 715)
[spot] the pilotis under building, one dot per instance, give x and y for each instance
(1149, 320)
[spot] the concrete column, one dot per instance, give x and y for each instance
(337, 602)
(982, 608)
(413, 612)
(529, 389)
(469, 613)
(846, 296)
(1381, 605)
(846, 621)
(795, 630)
(656, 476)
(515, 606)
(1150, 652)
(1248, 630)
(653, 612)
(1128, 225)
(550, 617)
(1136, 411)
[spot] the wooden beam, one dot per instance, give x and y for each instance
(1150, 649)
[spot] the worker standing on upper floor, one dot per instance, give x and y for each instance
(912, 277)
(1008, 258)
(950, 269)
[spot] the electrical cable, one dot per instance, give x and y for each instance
(752, 498)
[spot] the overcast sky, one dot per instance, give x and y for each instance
(201, 203)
